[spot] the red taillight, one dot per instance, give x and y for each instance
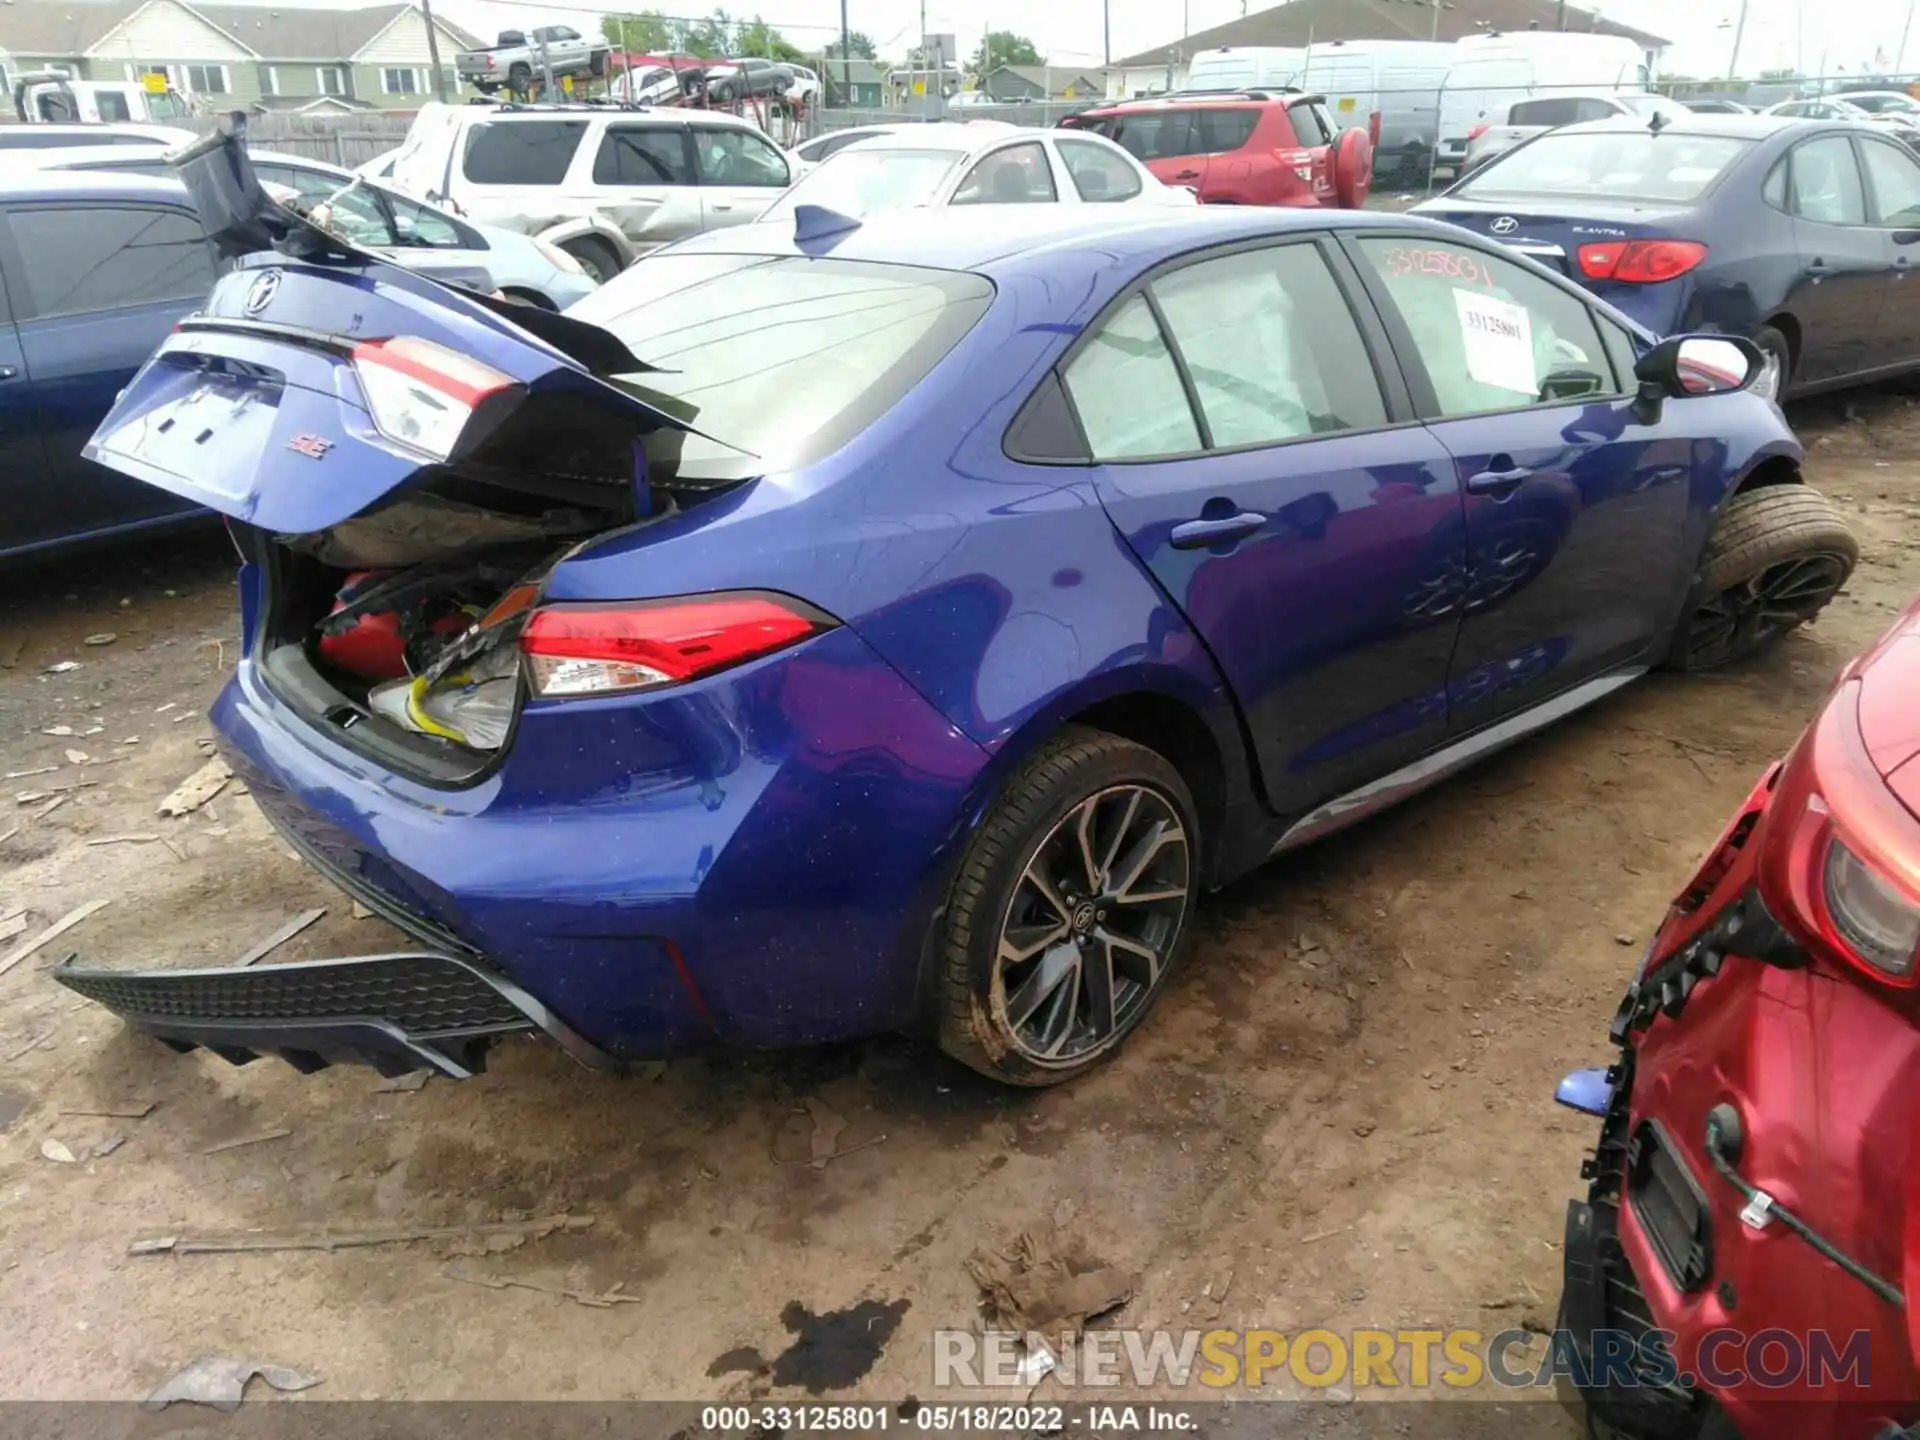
(423, 394)
(594, 649)
(1476, 132)
(1640, 262)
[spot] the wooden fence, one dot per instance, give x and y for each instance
(345, 140)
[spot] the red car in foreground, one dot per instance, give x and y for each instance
(1744, 1260)
(1252, 147)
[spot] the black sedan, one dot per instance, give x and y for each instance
(1800, 234)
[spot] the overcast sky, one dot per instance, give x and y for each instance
(1069, 31)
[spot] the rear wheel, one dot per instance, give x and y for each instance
(1069, 910)
(1776, 556)
(596, 257)
(519, 77)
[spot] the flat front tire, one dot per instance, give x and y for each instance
(1069, 910)
(1776, 556)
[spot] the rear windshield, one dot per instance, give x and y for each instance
(522, 152)
(780, 359)
(860, 181)
(1611, 164)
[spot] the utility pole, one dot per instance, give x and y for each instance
(846, 59)
(1436, 18)
(1106, 31)
(433, 52)
(1900, 60)
(1739, 30)
(546, 69)
(1561, 24)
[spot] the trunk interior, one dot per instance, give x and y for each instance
(396, 630)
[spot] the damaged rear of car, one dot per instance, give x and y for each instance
(404, 469)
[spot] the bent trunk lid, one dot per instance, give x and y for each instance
(253, 408)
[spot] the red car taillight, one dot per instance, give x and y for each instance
(1640, 262)
(594, 649)
(1476, 132)
(422, 394)
(1841, 863)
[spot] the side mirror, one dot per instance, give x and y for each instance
(1689, 365)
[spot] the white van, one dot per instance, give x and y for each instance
(1490, 72)
(1399, 80)
(1248, 67)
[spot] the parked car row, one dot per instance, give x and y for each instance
(1801, 235)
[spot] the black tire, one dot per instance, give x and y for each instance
(596, 256)
(597, 63)
(519, 76)
(1776, 556)
(1779, 353)
(994, 895)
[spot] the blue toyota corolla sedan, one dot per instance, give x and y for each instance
(829, 628)
(1800, 235)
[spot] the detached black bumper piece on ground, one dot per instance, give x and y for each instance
(397, 1013)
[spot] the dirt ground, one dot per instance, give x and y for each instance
(1340, 1115)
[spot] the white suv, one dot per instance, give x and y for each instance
(605, 185)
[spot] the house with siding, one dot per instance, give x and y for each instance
(264, 57)
(1042, 82)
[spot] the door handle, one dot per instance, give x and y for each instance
(718, 206)
(1819, 268)
(1188, 175)
(1497, 482)
(1198, 534)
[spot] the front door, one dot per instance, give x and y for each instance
(1575, 512)
(103, 284)
(1893, 204)
(741, 174)
(1845, 263)
(1249, 455)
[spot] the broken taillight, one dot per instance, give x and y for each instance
(422, 394)
(604, 649)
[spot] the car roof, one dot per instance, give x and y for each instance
(665, 114)
(29, 184)
(1739, 127)
(1141, 234)
(964, 136)
(96, 157)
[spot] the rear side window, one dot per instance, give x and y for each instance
(1824, 181)
(1099, 175)
(643, 155)
(1017, 175)
(1271, 347)
(1307, 127)
(737, 157)
(83, 259)
(1127, 391)
(522, 152)
(1170, 134)
(113, 106)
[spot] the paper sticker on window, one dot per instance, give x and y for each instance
(1499, 342)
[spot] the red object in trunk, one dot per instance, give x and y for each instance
(1780, 996)
(375, 646)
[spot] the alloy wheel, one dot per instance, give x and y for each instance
(1745, 616)
(1092, 924)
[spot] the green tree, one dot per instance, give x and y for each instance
(646, 33)
(1003, 47)
(757, 37)
(708, 38)
(859, 45)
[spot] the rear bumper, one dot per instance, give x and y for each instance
(396, 1013)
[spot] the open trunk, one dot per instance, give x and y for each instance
(403, 463)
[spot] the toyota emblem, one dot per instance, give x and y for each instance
(263, 291)
(1505, 225)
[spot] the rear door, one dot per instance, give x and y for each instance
(1172, 143)
(1262, 466)
(96, 288)
(1575, 511)
(1312, 161)
(26, 498)
(1846, 264)
(641, 175)
(741, 173)
(1893, 204)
